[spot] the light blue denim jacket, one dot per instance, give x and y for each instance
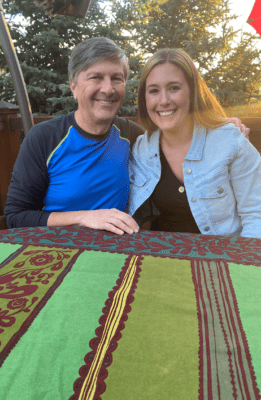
(222, 178)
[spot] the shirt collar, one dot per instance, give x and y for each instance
(196, 148)
(153, 143)
(198, 143)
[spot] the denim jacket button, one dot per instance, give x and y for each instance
(207, 228)
(188, 171)
(193, 199)
(132, 177)
(221, 190)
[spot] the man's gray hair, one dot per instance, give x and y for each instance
(94, 50)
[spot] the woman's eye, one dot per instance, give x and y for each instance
(174, 88)
(153, 91)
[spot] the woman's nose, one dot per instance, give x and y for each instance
(164, 99)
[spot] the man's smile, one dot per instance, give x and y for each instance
(106, 102)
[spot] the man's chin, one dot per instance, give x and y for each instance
(107, 115)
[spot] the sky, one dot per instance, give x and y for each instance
(243, 8)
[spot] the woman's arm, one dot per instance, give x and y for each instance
(245, 178)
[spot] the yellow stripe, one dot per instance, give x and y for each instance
(59, 144)
(111, 325)
(118, 129)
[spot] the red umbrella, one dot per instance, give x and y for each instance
(254, 18)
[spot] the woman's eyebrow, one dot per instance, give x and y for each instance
(169, 83)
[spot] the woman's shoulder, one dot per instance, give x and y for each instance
(228, 133)
(147, 140)
(226, 129)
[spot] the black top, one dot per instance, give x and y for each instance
(170, 198)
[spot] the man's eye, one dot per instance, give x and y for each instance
(118, 78)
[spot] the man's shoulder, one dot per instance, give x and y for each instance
(59, 124)
(128, 129)
(45, 136)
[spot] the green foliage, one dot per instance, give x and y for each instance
(43, 46)
(228, 60)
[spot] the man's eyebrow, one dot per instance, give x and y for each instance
(169, 83)
(101, 74)
(118, 74)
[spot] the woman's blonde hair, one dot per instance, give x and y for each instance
(204, 106)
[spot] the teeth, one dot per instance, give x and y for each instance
(105, 102)
(166, 112)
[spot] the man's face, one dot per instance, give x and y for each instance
(100, 92)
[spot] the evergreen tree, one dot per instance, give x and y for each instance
(229, 63)
(43, 46)
(203, 29)
(236, 79)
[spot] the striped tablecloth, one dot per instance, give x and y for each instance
(88, 314)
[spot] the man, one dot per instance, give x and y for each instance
(73, 170)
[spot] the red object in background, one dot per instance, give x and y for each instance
(254, 18)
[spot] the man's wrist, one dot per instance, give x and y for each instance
(65, 218)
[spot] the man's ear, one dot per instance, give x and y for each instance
(73, 86)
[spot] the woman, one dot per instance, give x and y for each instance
(192, 170)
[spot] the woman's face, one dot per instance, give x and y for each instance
(168, 98)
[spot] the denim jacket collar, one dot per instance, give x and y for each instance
(198, 143)
(196, 148)
(153, 143)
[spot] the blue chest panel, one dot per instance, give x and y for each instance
(86, 174)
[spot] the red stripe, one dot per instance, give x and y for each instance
(200, 329)
(208, 348)
(217, 304)
(237, 340)
(224, 289)
(243, 335)
(238, 347)
(204, 320)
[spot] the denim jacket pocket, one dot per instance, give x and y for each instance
(214, 189)
(218, 201)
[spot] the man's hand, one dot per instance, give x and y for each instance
(242, 127)
(111, 220)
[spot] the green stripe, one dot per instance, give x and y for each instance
(45, 362)
(6, 249)
(160, 338)
(246, 281)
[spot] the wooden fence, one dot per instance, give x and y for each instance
(10, 124)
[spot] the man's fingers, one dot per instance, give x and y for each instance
(111, 220)
(242, 127)
(236, 121)
(113, 229)
(245, 131)
(122, 225)
(127, 220)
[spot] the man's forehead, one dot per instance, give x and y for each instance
(105, 66)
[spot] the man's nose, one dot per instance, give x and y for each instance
(107, 86)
